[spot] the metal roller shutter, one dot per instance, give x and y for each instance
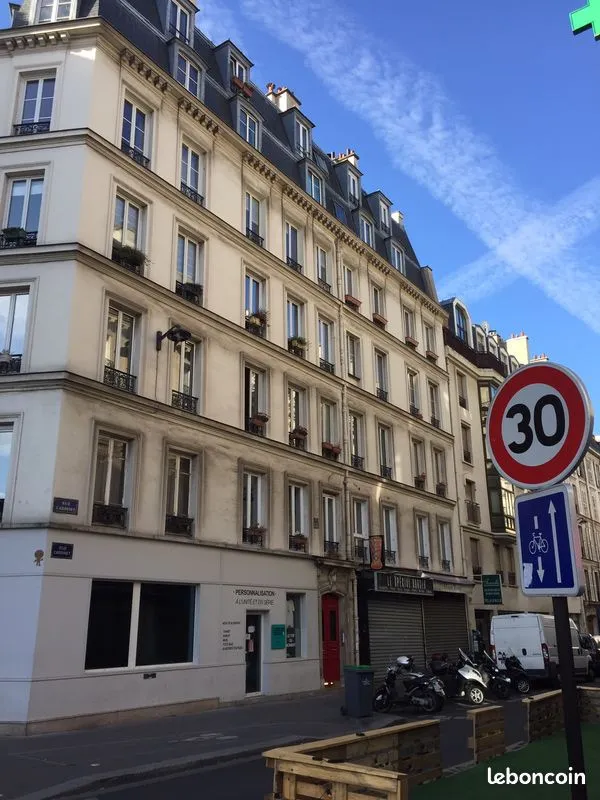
(395, 629)
(445, 624)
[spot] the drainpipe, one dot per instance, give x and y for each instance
(345, 450)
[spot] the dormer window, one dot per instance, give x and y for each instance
(237, 69)
(302, 139)
(461, 325)
(384, 217)
(315, 186)
(179, 22)
(248, 127)
(366, 231)
(353, 190)
(54, 10)
(398, 259)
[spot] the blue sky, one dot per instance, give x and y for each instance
(473, 118)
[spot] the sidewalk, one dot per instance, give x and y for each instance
(59, 765)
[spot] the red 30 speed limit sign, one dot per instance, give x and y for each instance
(540, 424)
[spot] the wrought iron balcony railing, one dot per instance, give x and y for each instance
(184, 401)
(110, 515)
(179, 526)
(31, 128)
(120, 380)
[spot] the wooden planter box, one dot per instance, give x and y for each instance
(353, 302)
(487, 740)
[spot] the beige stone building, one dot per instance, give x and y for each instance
(479, 359)
(223, 391)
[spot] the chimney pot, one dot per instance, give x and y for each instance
(270, 87)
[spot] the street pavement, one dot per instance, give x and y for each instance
(244, 776)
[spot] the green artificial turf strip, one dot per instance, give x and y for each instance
(547, 755)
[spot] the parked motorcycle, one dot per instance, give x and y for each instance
(461, 679)
(515, 671)
(496, 681)
(404, 686)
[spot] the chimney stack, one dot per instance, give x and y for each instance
(282, 97)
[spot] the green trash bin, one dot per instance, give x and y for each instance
(358, 691)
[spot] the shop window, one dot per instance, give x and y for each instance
(294, 604)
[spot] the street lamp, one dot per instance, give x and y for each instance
(175, 334)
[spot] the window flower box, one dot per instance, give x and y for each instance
(297, 345)
(329, 447)
(420, 481)
(440, 489)
(431, 355)
(299, 432)
(240, 85)
(257, 317)
(128, 257)
(411, 341)
(351, 301)
(379, 319)
(298, 542)
(260, 419)
(13, 234)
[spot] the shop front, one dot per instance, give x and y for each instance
(403, 614)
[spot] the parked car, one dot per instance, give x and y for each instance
(532, 638)
(590, 644)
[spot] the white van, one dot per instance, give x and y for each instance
(532, 638)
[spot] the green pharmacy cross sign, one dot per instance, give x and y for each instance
(587, 17)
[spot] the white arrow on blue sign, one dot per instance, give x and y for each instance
(548, 543)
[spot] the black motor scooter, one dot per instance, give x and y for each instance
(404, 686)
(495, 679)
(514, 670)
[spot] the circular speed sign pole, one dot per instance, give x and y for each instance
(540, 425)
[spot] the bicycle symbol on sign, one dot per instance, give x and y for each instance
(538, 544)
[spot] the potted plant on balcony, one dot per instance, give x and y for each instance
(258, 318)
(297, 343)
(13, 234)
(127, 256)
(420, 480)
(257, 530)
(299, 432)
(260, 419)
(329, 447)
(298, 541)
(440, 489)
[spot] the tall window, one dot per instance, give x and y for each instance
(356, 435)
(111, 465)
(13, 320)
(353, 355)
(326, 341)
(418, 457)
(54, 10)
(296, 407)
(188, 75)
(302, 138)
(6, 435)
(409, 323)
(423, 544)
(429, 338)
(189, 260)
(390, 533)
(133, 135)
(386, 458)
(366, 231)
(192, 168)
(252, 499)
(315, 186)
(381, 374)
(179, 484)
(461, 325)
(360, 518)
(398, 259)
(238, 70)
(254, 391)
(254, 294)
(330, 518)
(252, 213)
(353, 188)
(413, 391)
(179, 21)
(297, 510)
(295, 319)
(439, 467)
(182, 368)
(328, 422)
(377, 294)
(248, 128)
(445, 534)
(466, 443)
(350, 282)
(434, 402)
(25, 204)
(127, 227)
(118, 353)
(461, 384)
(384, 217)
(162, 631)
(38, 98)
(292, 244)
(322, 271)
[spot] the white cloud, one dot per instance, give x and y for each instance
(428, 139)
(218, 22)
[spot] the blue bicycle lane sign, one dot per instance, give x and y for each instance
(549, 545)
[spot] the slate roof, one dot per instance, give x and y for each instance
(275, 145)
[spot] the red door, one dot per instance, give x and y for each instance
(331, 638)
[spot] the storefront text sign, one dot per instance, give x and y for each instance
(254, 597)
(403, 584)
(492, 590)
(278, 641)
(230, 631)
